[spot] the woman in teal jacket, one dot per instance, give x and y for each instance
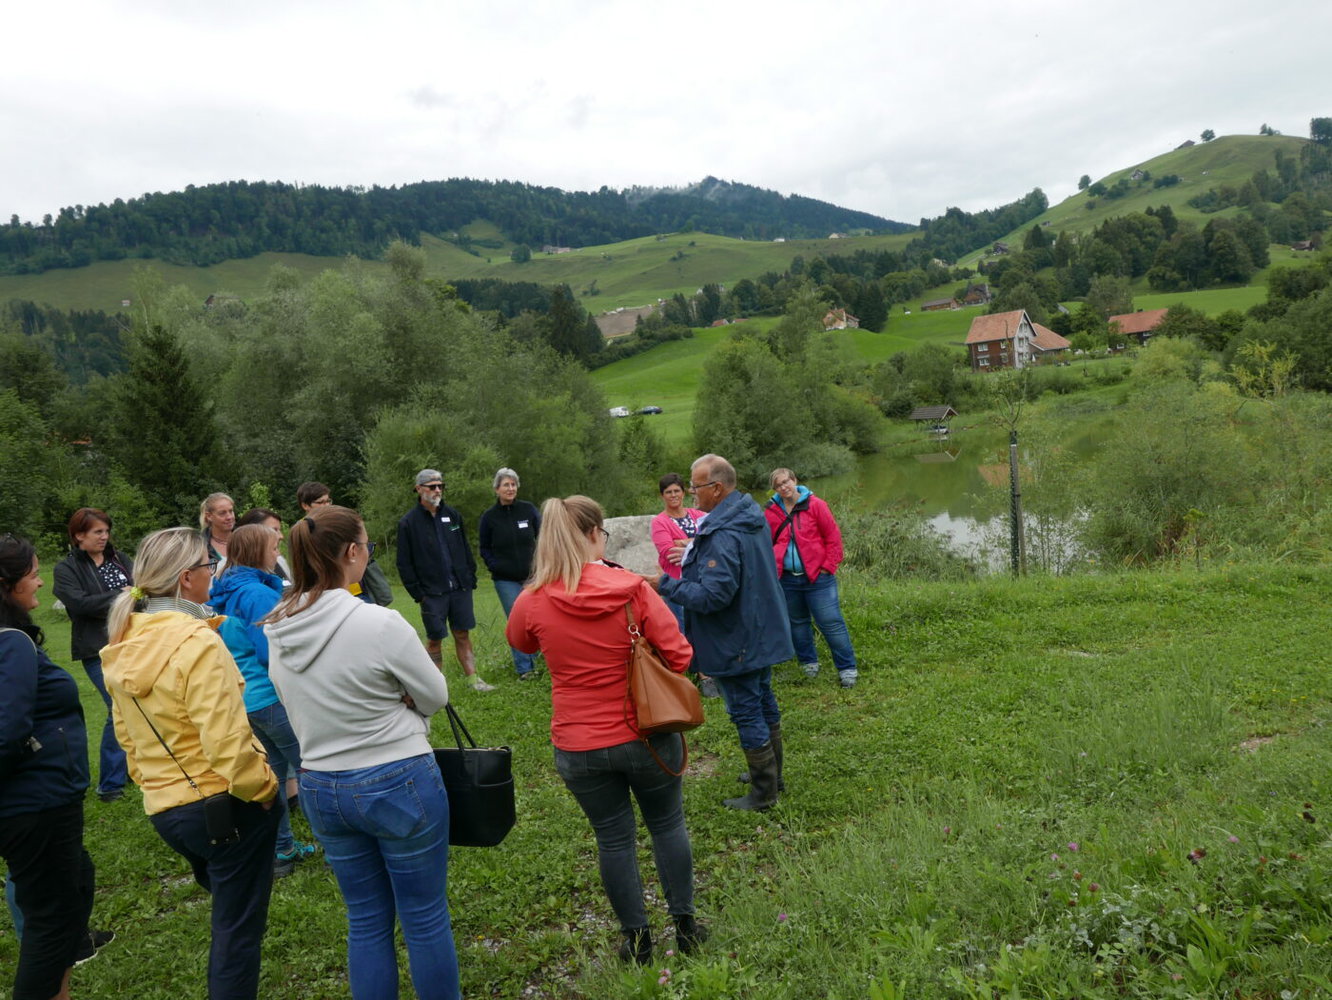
(247, 590)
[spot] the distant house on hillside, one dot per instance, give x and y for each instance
(1140, 324)
(837, 236)
(934, 305)
(840, 319)
(999, 248)
(1302, 245)
(1186, 144)
(548, 248)
(1000, 340)
(977, 295)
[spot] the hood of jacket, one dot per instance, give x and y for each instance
(803, 494)
(303, 636)
(737, 512)
(602, 590)
(150, 640)
(227, 587)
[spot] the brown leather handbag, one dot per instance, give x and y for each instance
(660, 700)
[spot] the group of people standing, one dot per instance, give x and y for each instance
(308, 675)
(328, 681)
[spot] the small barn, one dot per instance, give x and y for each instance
(934, 418)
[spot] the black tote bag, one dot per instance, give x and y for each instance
(479, 781)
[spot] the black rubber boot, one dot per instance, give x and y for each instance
(763, 780)
(637, 946)
(775, 738)
(689, 934)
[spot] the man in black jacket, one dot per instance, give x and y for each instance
(439, 571)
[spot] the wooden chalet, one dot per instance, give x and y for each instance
(1139, 325)
(1000, 340)
(840, 319)
(935, 305)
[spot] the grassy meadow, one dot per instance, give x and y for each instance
(1097, 786)
(1228, 159)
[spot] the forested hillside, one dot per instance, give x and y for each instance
(215, 222)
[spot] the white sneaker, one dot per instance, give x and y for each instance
(810, 669)
(477, 684)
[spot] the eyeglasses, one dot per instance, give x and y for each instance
(702, 486)
(211, 564)
(604, 534)
(369, 549)
(432, 486)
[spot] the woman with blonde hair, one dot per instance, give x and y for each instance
(360, 689)
(246, 591)
(574, 611)
(179, 714)
(217, 519)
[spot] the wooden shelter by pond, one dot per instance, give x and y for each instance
(935, 418)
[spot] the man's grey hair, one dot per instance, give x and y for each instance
(502, 475)
(719, 470)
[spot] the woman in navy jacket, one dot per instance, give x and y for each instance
(43, 778)
(86, 582)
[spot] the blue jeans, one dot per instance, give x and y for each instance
(751, 704)
(385, 831)
(508, 591)
(817, 598)
(601, 781)
(274, 730)
(112, 771)
(239, 877)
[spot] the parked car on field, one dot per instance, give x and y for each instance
(619, 411)
(650, 409)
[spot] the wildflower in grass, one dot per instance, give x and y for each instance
(1093, 887)
(782, 918)
(1054, 857)
(663, 980)
(1233, 839)
(1073, 845)
(670, 952)
(1197, 854)
(1077, 875)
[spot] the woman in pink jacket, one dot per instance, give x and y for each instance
(677, 522)
(808, 546)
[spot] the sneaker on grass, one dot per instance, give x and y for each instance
(92, 943)
(810, 669)
(284, 863)
(477, 684)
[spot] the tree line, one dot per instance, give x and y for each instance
(357, 378)
(215, 222)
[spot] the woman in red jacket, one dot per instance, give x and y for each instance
(573, 610)
(808, 547)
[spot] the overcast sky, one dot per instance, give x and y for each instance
(897, 108)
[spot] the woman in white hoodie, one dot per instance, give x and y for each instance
(359, 690)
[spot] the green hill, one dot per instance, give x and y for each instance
(1230, 159)
(634, 272)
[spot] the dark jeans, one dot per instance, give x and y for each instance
(817, 599)
(751, 705)
(508, 591)
(601, 781)
(273, 728)
(240, 877)
(112, 771)
(385, 831)
(53, 887)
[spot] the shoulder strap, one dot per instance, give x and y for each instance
(22, 633)
(167, 748)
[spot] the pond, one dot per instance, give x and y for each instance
(958, 482)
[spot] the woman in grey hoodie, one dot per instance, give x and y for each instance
(359, 690)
